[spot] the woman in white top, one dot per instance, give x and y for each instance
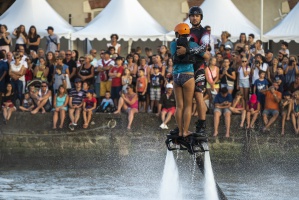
(16, 73)
(21, 35)
(117, 46)
(243, 78)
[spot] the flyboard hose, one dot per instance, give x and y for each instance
(194, 145)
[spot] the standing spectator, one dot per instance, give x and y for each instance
(29, 70)
(158, 63)
(155, 90)
(89, 104)
(117, 46)
(8, 103)
(227, 76)
(284, 49)
(27, 104)
(141, 88)
(42, 99)
(149, 55)
(167, 104)
(243, 78)
(164, 53)
(294, 110)
(126, 79)
(286, 108)
(41, 71)
(5, 38)
(51, 62)
(132, 67)
(253, 109)
(224, 40)
(291, 71)
(272, 70)
(251, 42)
(258, 65)
(258, 49)
(76, 102)
(212, 76)
(60, 106)
(115, 74)
(3, 72)
(59, 79)
(294, 85)
(104, 65)
(260, 86)
(280, 79)
(33, 39)
(223, 102)
(268, 57)
(53, 41)
(72, 66)
(272, 100)
(21, 36)
(128, 102)
(241, 42)
(239, 107)
(136, 59)
(16, 73)
(75, 56)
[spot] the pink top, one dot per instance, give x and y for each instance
(134, 105)
(212, 73)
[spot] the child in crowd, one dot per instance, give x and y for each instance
(285, 109)
(89, 104)
(284, 49)
(141, 88)
(280, 79)
(238, 107)
(61, 100)
(106, 102)
(116, 83)
(294, 110)
(27, 104)
(59, 79)
(253, 109)
(156, 84)
(261, 85)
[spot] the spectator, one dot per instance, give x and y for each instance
(291, 71)
(94, 61)
(294, 85)
(136, 59)
(223, 102)
(8, 103)
(164, 53)
(3, 72)
(72, 66)
(27, 104)
(129, 103)
(29, 70)
(241, 42)
(286, 108)
(126, 79)
(246, 53)
(252, 109)
(212, 76)
(284, 49)
(21, 36)
(268, 57)
(117, 46)
(272, 100)
(260, 86)
(272, 70)
(59, 79)
(62, 54)
(41, 71)
(16, 73)
(294, 110)
(141, 88)
(238, 107)
(33, 39)
(115, 74)
(227, 76)
(251, 42)
(5, 39)
(155, 90)
(60, 106)
(86, 71)
(106, 103)
(50, 63)
(75, 57)
(243, 78)
(132, 67)
(89, 105)
(258, 65)
(224, 40)
(104, 65)
(157, 60)
(280, 79)
(42, 99)
(149, 55)
(167, 104)
(76, 97)
(169, 65)
(258, 49)
(53, 41)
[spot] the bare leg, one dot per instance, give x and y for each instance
(178, 91)
(283, 122)
(163, 114)
(120, 105)
(4, 113)
(39, 106)
(248, 120)
(271, 121)
(297, 132)
(89, 115)
(62, 117)
(168, 118)
(77, 115)
(71, 115)
(188, 91)
(84, 118)
(217, 116)
(9, 112)
(131, 117)
(243, 116)
(55, 119)
(246, 94)
(265, 119)
(255, 115)
(227, 116)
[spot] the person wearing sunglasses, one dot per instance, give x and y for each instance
(42, 99)
(72, 66)
(243, 78)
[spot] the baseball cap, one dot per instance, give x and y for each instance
(90, 91)
(253, 98)
(50, 28)
(107, 52)
(227, 47)
(169, 85)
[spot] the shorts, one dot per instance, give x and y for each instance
(270, 112)
(227, 86)
(169, 110)
(105, 86)
(48, 106)
(141, 98)
(244, 83)
(217, 86)
(115, 92)
(181, 79)
(222, 110)
(155, 94)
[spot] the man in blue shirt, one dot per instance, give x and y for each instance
(222, 102)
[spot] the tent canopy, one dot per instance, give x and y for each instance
(287, 29)
(127, 18)
(223, 15)
(38, 13)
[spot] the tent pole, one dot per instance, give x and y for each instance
(130, 42)
(262, 19)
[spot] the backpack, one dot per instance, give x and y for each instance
(104, 74)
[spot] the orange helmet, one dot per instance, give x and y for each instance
(182, 29)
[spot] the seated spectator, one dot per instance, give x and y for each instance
(238, 107)
(42, 99)
(89, 104)
(8, 103)
(260, 85)
(253, 108)
(60, 106)
(128, 102)
(285, 105)
(272, 100)
(141, 88)
(107, 104)
(167, 104)
(294, 110)
(27, 104)
(223, 102)
(76, 97)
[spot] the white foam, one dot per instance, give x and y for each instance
(210, 189)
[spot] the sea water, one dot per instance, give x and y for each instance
(210, 189)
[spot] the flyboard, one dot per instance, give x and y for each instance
(196, 146)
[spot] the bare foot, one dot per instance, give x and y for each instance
(129, 127)
(282, 132)
(116, 112)
(61, 126)
(227, 135)
(85, 125)
(34, 111)
(215, 134)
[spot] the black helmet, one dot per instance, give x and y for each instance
(196, 10)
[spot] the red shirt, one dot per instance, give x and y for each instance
(116, 81)
(90, 102)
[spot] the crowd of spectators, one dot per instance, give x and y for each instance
(242, 78)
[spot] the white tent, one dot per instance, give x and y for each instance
(223, 15)
(38, 13)
(127, 18)
(287, 29)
